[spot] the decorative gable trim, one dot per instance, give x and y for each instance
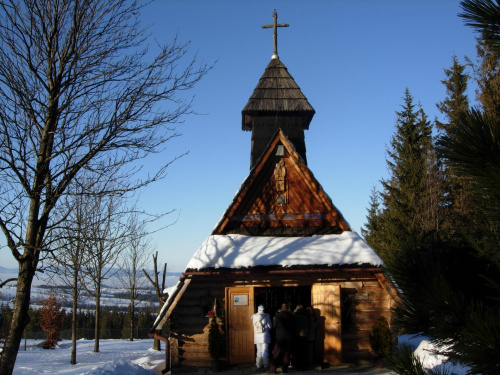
(281, 197)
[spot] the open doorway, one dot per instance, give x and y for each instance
(326, 303)
(325, 300)
(272, 298)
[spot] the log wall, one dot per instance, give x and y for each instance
(363, 296)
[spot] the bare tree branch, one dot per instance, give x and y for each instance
(80, 90)
(3, 283)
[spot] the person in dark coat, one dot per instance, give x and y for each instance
(302, 324)
(284, 329)
(311, 337)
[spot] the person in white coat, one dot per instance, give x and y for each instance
(262, 325)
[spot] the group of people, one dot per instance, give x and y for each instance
(294, 334)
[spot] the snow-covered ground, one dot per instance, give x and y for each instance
(425, 351)
(122, 357)
(115, 357)
(125, 358)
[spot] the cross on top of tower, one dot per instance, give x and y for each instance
(275, 26)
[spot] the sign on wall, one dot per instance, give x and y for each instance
(240, 300)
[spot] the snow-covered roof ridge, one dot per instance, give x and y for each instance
(239, 251)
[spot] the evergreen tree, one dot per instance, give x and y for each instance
(460, 214)
(127, 333)
(483, 16)
(476, 142)
(34, 323)
(373, 228)
(456, 102)
(431, 205)
(450, 290)
(410, 197)
(6, 316)
(145, 319)
(487, 76)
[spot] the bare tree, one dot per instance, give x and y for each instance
(159, 288)
(107, 235)
(134, 258)
(76, 92)
(70, 254)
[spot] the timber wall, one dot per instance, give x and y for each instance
(364, 299)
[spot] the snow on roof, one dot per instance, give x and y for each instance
(171, 290)
(237, 251)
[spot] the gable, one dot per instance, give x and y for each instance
(281, 197)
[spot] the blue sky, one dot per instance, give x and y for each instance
(352, 59)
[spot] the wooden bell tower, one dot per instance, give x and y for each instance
(276, 103)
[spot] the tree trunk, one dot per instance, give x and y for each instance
(20, 317)
(73, 318)
(132, 318)
(97, 327)
(156, 342)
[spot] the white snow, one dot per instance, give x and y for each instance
(116, 357)
(122, 357)
(236, 251)
(427, 353)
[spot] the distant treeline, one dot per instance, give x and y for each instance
(146, 295)
(115, 323)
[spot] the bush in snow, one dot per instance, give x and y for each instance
(381, 338)
(51, 317)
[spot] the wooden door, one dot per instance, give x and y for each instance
(326, 304)
(239, 310)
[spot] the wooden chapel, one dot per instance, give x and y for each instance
(280, 240)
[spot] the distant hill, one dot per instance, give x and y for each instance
(8, 270)
(41, 278)
(113, 292)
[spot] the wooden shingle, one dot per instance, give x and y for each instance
(277, 93)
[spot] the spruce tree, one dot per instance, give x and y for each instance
(408, 210)
(450, 289)
(487, 76)
(462, 282)
(372, 230)
(456, 102)
(447, 285)
(127, 333)
(459, 216)
(145, 319)
(5, 318)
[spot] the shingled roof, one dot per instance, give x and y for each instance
(277, 93)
